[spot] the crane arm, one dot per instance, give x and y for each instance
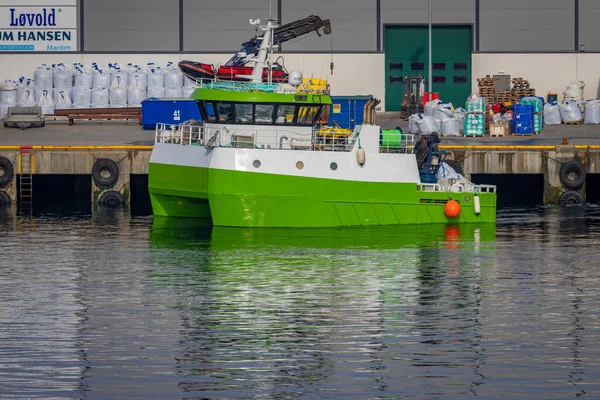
(283, 34)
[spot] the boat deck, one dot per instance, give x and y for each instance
(119, 133)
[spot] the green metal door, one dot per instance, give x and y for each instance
(406, 53)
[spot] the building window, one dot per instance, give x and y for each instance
(460, 79)
(460, 66)
(439, 79)
(438, 66)
(396, 79)
(396, 66)
(417, 66)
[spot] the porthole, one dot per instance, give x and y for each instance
(467, 198)
(299, 165)
(333, 166)
(256, 163)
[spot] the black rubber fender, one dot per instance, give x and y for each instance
(572, 174)
(455, 165)
(105, 172)
(7, 171)
(111, 198)
(4, 200)
(570, 197)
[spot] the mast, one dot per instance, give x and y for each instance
(266, 46)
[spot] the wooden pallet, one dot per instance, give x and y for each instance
(573, 123)
(523, 134)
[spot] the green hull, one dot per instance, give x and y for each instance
(251, 199)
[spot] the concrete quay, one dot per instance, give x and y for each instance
(106, 155)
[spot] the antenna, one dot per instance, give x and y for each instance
(270, 9)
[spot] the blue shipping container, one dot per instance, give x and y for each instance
(168, 111)
(347, 111)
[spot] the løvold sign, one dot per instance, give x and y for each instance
(38, 25)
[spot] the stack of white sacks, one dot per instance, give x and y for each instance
(59, 86)
(438, 117)
(573, 108)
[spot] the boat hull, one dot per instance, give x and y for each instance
(251, 199)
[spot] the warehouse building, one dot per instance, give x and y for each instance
(374, 43)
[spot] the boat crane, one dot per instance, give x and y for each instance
(237, 67)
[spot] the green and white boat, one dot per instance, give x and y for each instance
(258, 159)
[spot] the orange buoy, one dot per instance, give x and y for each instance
(452, 209)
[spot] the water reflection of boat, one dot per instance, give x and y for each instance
(266, 310)
(199, 233)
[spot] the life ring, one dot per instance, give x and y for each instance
(572, 174)
(111, 198)
(4, 200)
(7, 171)
(570, 197)
(105, 172)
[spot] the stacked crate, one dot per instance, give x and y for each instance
(475, 119)
(486, 89)
(521, 88)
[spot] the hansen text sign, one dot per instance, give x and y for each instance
(47, 26)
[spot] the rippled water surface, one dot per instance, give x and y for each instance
(107, 306)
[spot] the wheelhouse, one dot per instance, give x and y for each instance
(275, 109)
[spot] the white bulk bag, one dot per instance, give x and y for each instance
(173, 93)
(46, 103)
(574, 90)
(552, 114)
(82, 97)
(156, 92)
(156, 78)
(117, 73)
(100, 97)
(62, 100)
(443, 111)
(25, 85)
(428, 125)
(451, 127)
(140, 74)
(28, 99)
(63, 77)
(8, 92)
(101, 78)
(117, 97)
(592, 112)
(43, 78)
(173, 78)
(136, 93)
(430, 106)
(84, 77)
(4, 110)
(570, 112)
(413, 126)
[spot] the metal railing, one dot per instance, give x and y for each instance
(244, 86)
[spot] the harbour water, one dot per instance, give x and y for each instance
(110, 306)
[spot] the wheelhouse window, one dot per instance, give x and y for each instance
(225, 112)
(285, 114)
(243, 113)
(263, 114)
(307, 114)
(208, 112)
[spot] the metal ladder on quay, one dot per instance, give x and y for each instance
(25, 182)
